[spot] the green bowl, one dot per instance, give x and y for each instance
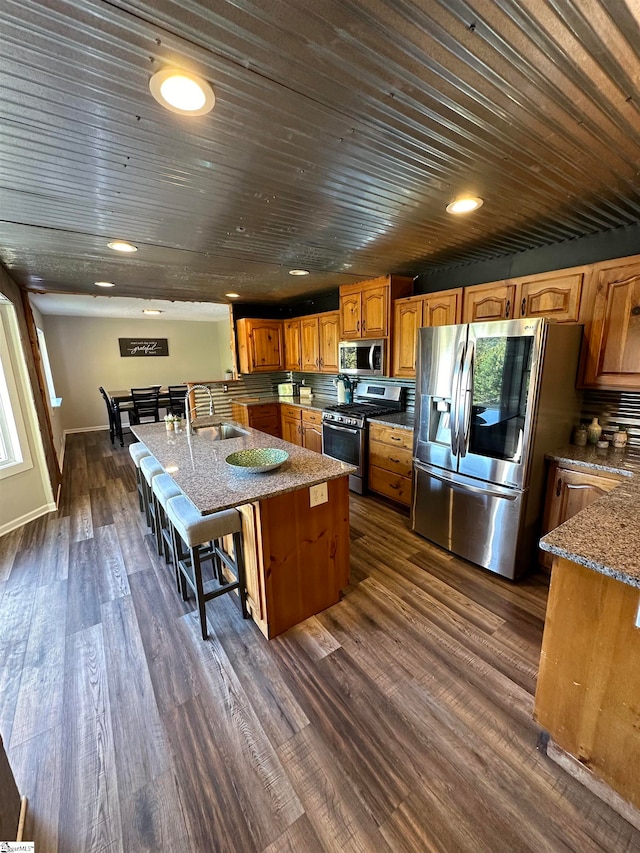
(257, 460)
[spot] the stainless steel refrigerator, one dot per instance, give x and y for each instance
(491, 399)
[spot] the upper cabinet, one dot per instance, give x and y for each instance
(329, 334)
(495, 301)
(365, 307)
(260, 347)
(611, 352)
(292, 345)
(433, 309)
(556, 296)
(309, 335)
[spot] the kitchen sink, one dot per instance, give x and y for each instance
(219, 432)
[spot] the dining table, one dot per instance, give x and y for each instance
(122, 397)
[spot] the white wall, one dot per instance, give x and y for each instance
(84, 354)
(27, 494)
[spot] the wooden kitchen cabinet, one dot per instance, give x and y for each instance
(291, 423)
(365, 307)
(260, 345)
(262, 416)
(611, 352)
(390, 462)
(292, 345)
(570, 490)
(309, 334)
(407, 321)
(312, 429)
(329, 335)
(494, 301)
(442, 308)
(556, 296)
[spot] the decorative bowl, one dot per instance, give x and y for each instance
(257, 460)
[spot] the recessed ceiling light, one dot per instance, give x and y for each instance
(104, 284)
(151, 311)
(182, 92)
(465, 205)
(232, 295)
(298, 272)
(122, 246)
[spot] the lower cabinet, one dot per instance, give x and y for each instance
(569, 490)
(263, 416)
(291, 423)
(390, 462)
(312, 430)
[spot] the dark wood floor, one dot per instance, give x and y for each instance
(398, 720)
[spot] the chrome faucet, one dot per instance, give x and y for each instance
(187, 407)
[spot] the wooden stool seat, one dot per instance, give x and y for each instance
(196, 532)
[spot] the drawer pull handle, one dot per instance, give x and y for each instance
(395, 438)
(391, 459)
(559, 487)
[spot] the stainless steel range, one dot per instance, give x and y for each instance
(344, 426)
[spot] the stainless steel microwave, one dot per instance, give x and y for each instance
(361, 358)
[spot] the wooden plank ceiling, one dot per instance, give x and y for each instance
(341, 130)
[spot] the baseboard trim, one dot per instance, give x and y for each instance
(596, 785)
(27, 517)
(86, 429)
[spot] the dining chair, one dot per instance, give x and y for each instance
(177, 393)
(145, 404)
(114, 411)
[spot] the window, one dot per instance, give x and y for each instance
(46, 366)
(14, 447)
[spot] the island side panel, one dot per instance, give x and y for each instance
(305, 552)
(588, 689)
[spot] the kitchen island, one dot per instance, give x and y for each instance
(295, 519)
(589, 679)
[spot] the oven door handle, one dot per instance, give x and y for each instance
(340, 428)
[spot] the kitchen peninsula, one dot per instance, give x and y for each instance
(589, 679)
(296, 540)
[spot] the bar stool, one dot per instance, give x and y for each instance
(149, 468)
(138, 452)
(199, 534)
(163, 488)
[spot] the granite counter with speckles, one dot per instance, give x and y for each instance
(197, 464)
(604, 536)
(402, 420)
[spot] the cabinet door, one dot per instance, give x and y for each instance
(614, 335)
(292, 430)
(375, 313)
(312, 436)
(569, 492)
(442, 309)
(329, 332)
(292, 347)
(350, 316)
(265, 344)
(310, 345)
(407, 321)
(488, 302)
(557, 298)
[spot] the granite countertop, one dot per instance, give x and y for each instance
(319, 403)
(404, 420)
(604, 536)
(197, 464)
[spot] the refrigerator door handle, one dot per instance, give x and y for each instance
(466, 394)
(495, 491)
(455, 401)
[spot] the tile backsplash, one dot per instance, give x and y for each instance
(614, 407)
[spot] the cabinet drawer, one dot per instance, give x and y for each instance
(270, 425)
(394, 459)
(290, 411)
(393, 486)
(263, 410)
(391, 435)
(311, 416)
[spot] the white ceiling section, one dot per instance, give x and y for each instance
(68, 305)
(341, 130)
